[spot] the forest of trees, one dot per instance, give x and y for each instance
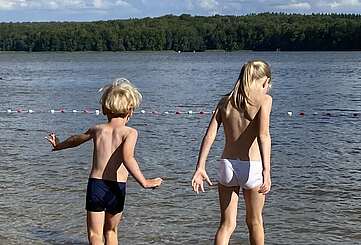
(267, 31)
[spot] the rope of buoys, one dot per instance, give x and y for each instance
(174, 112)
(328, 114)
(97, 111)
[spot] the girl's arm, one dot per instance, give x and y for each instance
(209, 138)
(131, 163)
(70, 142)
(264, 141)
(200, 174)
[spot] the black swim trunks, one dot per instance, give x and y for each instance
(105, 195)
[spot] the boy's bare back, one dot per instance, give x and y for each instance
(108, 157)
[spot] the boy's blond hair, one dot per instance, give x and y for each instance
(120, 97)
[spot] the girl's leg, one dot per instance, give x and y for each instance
(95, 224)
(228, 198)
(111, 228)
(254, 205)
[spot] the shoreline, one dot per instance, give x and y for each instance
(173, 51)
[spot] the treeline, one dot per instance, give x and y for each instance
(267, 31)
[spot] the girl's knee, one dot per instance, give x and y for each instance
(254, 221)
(229, 226)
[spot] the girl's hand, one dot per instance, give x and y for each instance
(197, 181)
(266, 186)
(54, 141)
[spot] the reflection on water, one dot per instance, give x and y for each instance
(315, 161)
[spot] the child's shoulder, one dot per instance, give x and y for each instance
(267, 100)
(98, 126)
(129, 132)
(125, 130)
(266, 104)
(222, 101)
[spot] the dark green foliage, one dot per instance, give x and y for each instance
(267, 31)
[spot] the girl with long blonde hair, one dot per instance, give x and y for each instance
(246, 159)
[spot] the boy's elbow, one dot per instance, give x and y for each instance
(127, 161)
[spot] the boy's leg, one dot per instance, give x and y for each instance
(95, 224)
(111, 228)
(254, 206)
(228, 198)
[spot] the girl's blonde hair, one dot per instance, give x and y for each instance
(120, 97)
(250, 72)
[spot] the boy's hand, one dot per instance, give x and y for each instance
(54, 141)
(197, 181)
(266, 186)
(153, 183)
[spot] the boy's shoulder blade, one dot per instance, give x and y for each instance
(126, 129)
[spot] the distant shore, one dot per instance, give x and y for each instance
(174, 51)
(185, 33)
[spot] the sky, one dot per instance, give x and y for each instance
(90, 10)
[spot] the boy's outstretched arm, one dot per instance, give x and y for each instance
(200, 174)
(131, 163)
(70, 142)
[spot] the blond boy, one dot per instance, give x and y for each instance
(113, 157)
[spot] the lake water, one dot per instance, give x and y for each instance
(316, 173)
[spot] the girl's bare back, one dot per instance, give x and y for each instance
(241, 129)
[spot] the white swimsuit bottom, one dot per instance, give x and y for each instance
(246, 174)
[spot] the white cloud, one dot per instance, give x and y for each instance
(53, 5)
(208, 4)
(15, 10)
(98, 4)
(122, 3)
(345, 3)
(191, 5)
(7, 5)
(338, 5)
(296, 6)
